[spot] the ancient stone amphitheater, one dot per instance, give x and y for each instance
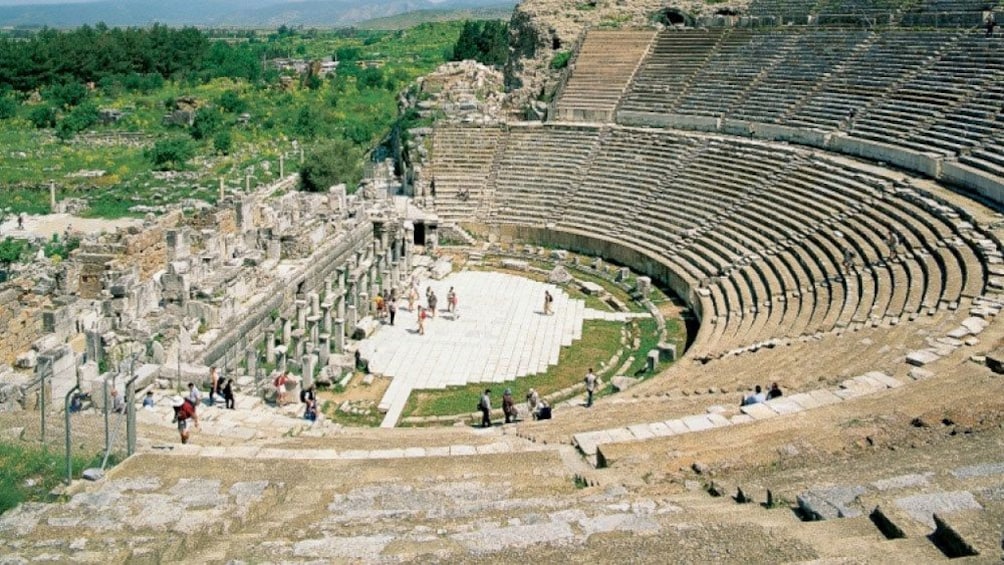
(825, 199)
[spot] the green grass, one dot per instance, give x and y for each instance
(34, 158)
(29, 473)
(649, 339)
(600, 340)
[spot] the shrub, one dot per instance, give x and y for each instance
(42, 116)
(335, 162)
(560, 60)
(170, 154)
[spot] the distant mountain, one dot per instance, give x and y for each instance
(206, 13)
(412, 19)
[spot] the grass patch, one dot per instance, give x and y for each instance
(30, 473)
(649, 338)
(369, 418)
(600, 341)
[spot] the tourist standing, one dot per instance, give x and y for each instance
(194, 395)
(280, 388)
(228, 394)
(486, 408)
(412, 297)
(432, 304)
(590, 381)
(392, 310)
(508, 406)
(548, 301)
(451, 301)
(214, 384)
(421, 321)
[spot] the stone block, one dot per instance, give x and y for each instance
(667, 351)
(622, 383)
(697, 423)
(592, 289)
(975, 325)
(922, 507)
(831, 502)
(515, 265)
(921, 357)
(995, 360)
(758, 411)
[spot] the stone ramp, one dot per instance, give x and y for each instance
(589, 442)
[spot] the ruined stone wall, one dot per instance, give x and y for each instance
(20, 320)
(246, 335)
(219, 221)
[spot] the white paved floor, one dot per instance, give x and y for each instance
(500, 334)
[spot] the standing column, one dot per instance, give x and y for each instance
(339, 335)
(307, 370)
(315, 304)
(287, 331)
(340, 306)
(364, 305)
(350, 322)
(326, 318)
(324, 350)
(395, 276)
(270, 347)
(301, 314)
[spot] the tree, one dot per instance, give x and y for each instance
(171, 153)
(335, 162)
(79, 119)
(66, 95)
(347, 54)
(306, 123)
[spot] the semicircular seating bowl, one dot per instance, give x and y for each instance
(752, 232)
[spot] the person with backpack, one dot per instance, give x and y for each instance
(184, 411)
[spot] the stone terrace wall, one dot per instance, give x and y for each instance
(20, 322)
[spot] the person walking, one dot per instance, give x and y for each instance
(194, 395)
(486, 408)
(590, 381)
(392, 310)
(451, 300)
(214, 384)
(548, 301)
(183, 412)
(508, 406)
(432, 304)
(421, 320)
(228, 395)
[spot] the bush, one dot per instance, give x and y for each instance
(12, 251)
(207, 122)
(560, 60)
(223, 142)
(67, 94)
(8, 107)
(42, 116)
(335, 162)
(230, 101)
(170, 154)
(79, 119)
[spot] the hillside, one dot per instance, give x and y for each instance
(252, 13)
(411, 19)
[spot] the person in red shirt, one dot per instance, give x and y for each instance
(183, 412)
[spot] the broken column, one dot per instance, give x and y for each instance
(308, 362)
(324, 349)
(270, 347)
(364, 301)
(350, 321)
(301, 314)
(315, 304)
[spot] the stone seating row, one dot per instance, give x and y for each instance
(462, 159)
(759, 231)
(931, 91)
(603, 68)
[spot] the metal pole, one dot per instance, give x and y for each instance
(108, 439)
(69, 449)
(131, 408)
(42, 400)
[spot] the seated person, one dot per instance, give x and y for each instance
(148, 400)
(755, 398)
(310, 412)
(774, 392)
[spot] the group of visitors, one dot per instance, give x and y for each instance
(432, 301)
(759, 395)
(386, 305)
(538, 408)
(221, 388)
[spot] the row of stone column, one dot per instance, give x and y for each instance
(323, 326)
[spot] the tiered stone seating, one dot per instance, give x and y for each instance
(759, 230)
(462, 159)
(603, 69)
(911, 115)
(740, 58)
(663, 76)
(867, 75)
(539, 170)
(810, 58)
